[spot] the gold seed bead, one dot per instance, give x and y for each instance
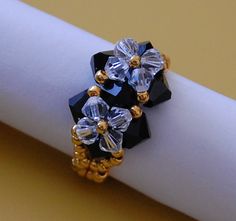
(94, 91)
(79, 149)
(115, 161)
(94, 165)
(73, 131)
(100, 177)
(143, 97)
(102, 168)
(75, 141)
(75, 162)
(135, 61)
(90, 175)
(85, 162)
(102, 126)
(106, 163)
(82, 172)
(136, 111)
(166, 59)
(80, 155)
(101, 77)
(118, 154)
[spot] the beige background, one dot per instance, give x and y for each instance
(36, 181)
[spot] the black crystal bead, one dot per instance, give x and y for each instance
(76, 103)
(98, 61)
(138, 131)
(96, 152)
(158, 91)
(144, 46)
(124, 96)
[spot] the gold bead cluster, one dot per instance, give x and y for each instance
(96, 170)
(135, 61)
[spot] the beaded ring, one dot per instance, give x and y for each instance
(108, 116)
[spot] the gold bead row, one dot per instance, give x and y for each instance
(93, 169)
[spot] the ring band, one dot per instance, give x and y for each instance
(108, 116)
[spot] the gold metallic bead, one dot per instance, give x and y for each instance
(90, 175)
(100, 177)
(136, 111)
(75, 140)
(93, 165)
(94, 91)
(82, 172)
(143, 97)
(84, 162)
(106, 163)
(79, 149)
(166, 59)
(102, 168)
(73, 131)
(101, 77)
(118, 154)
(135, 61)
(102, 126)
(115, 161)
(80, 155)
(75, 163)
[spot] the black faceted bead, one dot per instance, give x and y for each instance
(158, 91)
(99, 60)
(76, 103)
(96, 152)
(124, 96)
(138, 131)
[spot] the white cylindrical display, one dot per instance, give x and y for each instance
(189, 163)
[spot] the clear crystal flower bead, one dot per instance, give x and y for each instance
(141, 79)
(86, 130)
(111, 141)
(116, 68)
(126, 48)
(119, 118)
(152, 60)
(95, 108)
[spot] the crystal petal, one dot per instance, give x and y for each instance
(111, 141)
(116, 68)
(86, 130)
(141, 79)
(152, 60)
(126, 48)
(95, 108)
(119, 118)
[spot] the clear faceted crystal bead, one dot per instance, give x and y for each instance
(152, 60)
(95, 108)
(86, 130)
(111, 141)
(141, 79)
(116, 68)
(119, 118)
(126, 48)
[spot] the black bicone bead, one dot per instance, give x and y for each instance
(158, 91)
(138, 131)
